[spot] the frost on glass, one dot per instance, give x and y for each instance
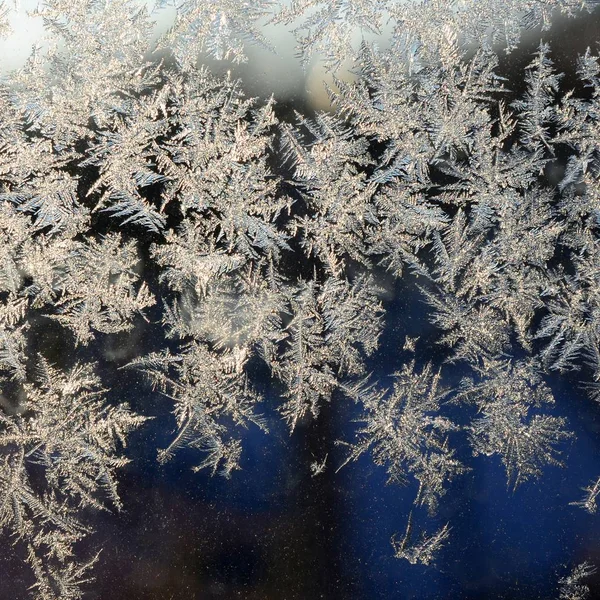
(132, 177)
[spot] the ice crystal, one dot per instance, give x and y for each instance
(132, 177)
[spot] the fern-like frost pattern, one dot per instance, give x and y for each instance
(138, 188)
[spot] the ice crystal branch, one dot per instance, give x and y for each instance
(405, 431)
(589, 500)
(571, 586)
(67, 430)
(509, 397)
(422, 551)
(208, 389)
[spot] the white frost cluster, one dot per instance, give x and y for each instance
(133, 177)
